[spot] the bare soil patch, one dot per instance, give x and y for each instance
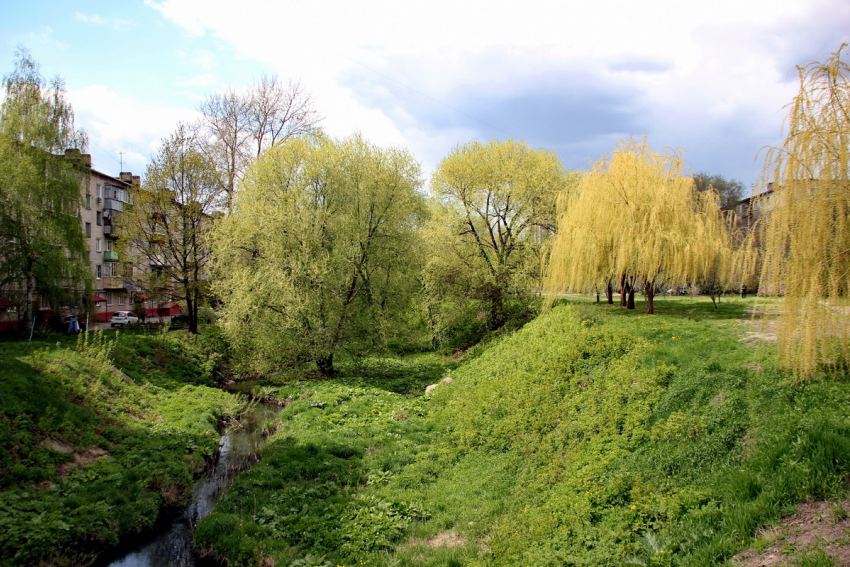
(817, 525)
(444, 539)
(762, 324)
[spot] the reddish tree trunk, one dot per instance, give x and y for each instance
(649, 289)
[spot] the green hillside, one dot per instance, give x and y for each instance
(592, 436)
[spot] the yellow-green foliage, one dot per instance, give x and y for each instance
(807, 230)
(319, 252)
(636, 214)
(494, 213)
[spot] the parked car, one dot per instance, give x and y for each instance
(180, 320)
(123, 318)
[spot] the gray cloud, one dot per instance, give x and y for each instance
(564, 108)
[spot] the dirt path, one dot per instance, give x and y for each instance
(816, 526)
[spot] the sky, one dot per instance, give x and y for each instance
(709, 78)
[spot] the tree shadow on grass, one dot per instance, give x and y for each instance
(694, 308)
(407, 376)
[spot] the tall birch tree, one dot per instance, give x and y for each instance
(239, 125)
(44, 252)
(163, 235)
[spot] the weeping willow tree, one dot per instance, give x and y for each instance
(636, 220)
(806, 232)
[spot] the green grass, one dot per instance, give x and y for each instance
(592, 436)
(142, 442)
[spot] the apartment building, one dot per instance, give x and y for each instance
(104, 198)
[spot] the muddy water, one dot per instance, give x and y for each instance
(172, 545)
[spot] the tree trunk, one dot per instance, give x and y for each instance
(649, 289)
(27, 316)
(630, 304)
(326, 364)
(609, 293)
(191, 313)
(497, 312)
(623, 290)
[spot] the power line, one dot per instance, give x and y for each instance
(428, 96)
(107, 153)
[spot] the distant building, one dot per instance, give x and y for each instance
(103, 198)
(750, 210)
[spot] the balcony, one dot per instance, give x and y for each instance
(113, 282)
(110, 256)
(113, 205)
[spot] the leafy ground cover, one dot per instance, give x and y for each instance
(592, 436)
(99, 436)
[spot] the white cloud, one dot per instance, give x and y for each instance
(116, 124)
(683, 66)
(116, 23)
(206, 59)
(45, 36)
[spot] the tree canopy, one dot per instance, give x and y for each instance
(636, 219)
(729, 191)
(238, 126)
(806, 233)
(493, 213)
(319, 252)
(163, 235)
(44, 251)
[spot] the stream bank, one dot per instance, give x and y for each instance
(171, 545)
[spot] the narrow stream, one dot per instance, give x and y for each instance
(171, 546)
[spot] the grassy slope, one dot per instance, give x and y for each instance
(140, 443)
(593, 436)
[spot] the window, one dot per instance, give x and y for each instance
(88, 201)
(99, 192)
(97, 245)
(88, 230)
(109, 298)
(109, 246)
(122, 299)
(98, 271)
(99, 218)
